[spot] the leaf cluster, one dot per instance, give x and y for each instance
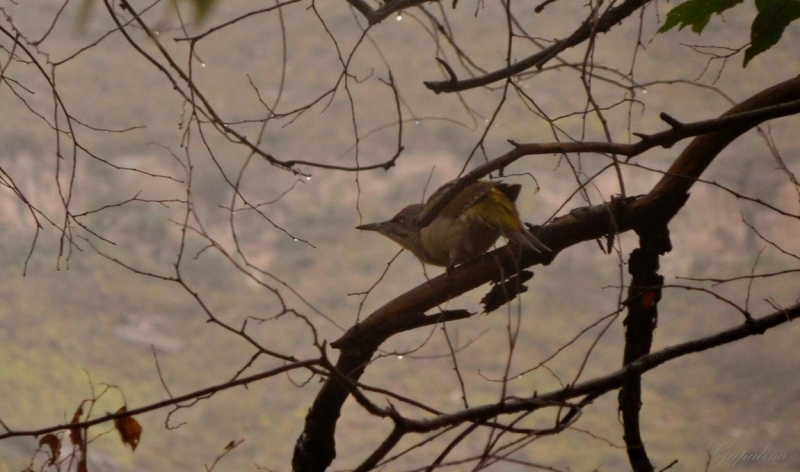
(768, 26)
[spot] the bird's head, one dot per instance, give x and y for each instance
(401, 229)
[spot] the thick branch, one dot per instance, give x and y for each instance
(583, 224)
(601, 385)
(699, 154)
(745, 118)
(590, 389)
(362, 7)
(315, 448)
(643, 296)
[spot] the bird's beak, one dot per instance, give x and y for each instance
(371, 226)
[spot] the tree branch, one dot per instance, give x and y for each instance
(601, 385)
(643, 296)
(315, 448)
(309, 364)
(587, 28)
(590, 389)
(745, 118)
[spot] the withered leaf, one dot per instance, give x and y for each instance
(128, 428)
(75, 436)
(54, 443)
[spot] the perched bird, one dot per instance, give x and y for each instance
(467, 226)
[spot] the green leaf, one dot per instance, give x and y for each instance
(696, 13)
(773, 17)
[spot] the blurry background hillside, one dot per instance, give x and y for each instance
(82, 319)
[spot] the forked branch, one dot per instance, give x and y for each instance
(315, 449)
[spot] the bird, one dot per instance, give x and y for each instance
(466, 227)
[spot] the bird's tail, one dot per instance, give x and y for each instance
(524, 238)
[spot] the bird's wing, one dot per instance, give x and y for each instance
(464, 200)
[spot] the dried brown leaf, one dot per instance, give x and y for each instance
(52, 441)
(75, 433)
(128, 428)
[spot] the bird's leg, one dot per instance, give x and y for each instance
(455, 254)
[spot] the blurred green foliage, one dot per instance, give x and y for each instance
(768, 26)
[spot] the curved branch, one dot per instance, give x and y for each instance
(208, 111)
(308, 364)
(746, 118)
(590, 389)
(315, 449)
(699, 154)
(584, 31)
(604, 384)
